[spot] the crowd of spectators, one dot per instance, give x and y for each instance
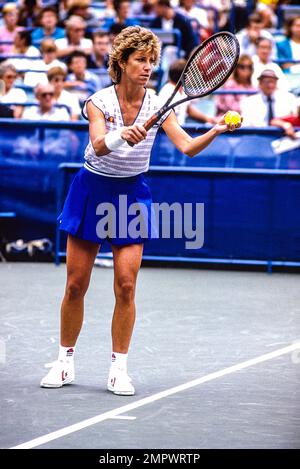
(55, 54)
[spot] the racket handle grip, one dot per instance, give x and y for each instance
(148, 124)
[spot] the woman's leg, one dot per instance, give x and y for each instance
(127, 262)
(80, 260)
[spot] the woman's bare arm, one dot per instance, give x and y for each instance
(192, 146)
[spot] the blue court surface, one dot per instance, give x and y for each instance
(215, 360)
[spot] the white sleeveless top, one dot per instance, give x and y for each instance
(126, 161)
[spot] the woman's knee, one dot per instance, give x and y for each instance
(125, 290)
(76, 289)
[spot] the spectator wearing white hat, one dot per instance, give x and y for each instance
(270, 102)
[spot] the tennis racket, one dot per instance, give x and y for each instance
(206, 70)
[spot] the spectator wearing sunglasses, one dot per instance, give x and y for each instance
(57, 77)
(49, 53)
(262, 60)
(74, 40)
(45, 110)
(241, 80)
(10, 94)
(58, 142)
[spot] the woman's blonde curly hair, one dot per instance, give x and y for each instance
(131, 39)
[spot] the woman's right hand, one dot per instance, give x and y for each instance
(222, 127)
(134, 134)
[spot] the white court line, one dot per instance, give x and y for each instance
(155, 397)
(123, 417)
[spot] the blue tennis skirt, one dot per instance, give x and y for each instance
(99, 208)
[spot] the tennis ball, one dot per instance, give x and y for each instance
(232, 117)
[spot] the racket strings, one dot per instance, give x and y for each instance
(210, 66)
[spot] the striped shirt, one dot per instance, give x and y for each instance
(126, 161)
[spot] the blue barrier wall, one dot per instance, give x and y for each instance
(251, 195)
(249, 215)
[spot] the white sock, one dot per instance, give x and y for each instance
(119, 360)
(66, 353)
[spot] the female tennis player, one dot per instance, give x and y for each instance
(116, 158)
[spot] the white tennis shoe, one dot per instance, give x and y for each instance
(61, 373)
(119, 382)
